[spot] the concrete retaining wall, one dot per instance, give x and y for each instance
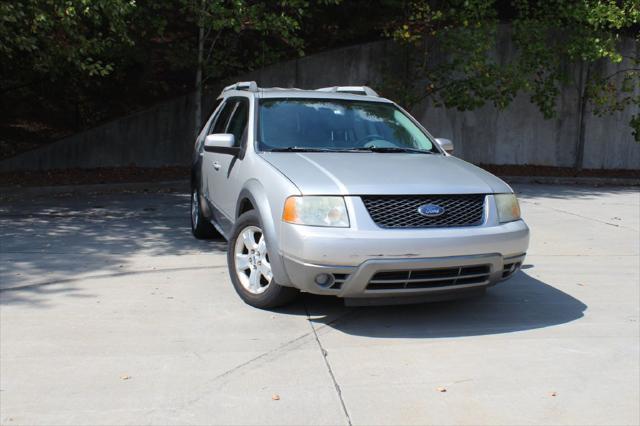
(521, 135)
(163, 135)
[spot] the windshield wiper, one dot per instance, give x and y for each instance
(390, 149)
(354, 149)
(301, 149)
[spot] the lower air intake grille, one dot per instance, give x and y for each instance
(429, 278)
(401, 211)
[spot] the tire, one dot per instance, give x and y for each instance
(201, 228)
(261, 292)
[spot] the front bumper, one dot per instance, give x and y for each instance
(438, 276)
(354, 256)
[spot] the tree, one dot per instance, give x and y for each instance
(220, 23)
(457, 67)
(548, 33)
(57, 37)
(60, 39)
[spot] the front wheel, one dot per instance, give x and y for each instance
(250, 267)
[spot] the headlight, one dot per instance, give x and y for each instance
(316, 211)
(508, 208)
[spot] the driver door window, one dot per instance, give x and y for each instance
(238, 123)
(220, 124)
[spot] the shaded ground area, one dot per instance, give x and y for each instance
(159, 174)
(94, 176)
(111, 313)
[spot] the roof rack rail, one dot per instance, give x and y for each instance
(251, 86)
(356, 90)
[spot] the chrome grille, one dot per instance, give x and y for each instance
(401, 211)
(429, 278)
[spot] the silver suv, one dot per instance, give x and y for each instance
(340, 192)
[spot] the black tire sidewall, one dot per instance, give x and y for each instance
(275, 295)
(205, 229)
(193, 227)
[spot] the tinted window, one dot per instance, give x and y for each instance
(215, 106)
(238, 122)
(337, 124)
(220, 124)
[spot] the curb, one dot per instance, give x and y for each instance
(590, 181)
(168, 186)
(183, 185)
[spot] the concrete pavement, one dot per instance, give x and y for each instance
(111, 313)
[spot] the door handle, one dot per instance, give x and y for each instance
(216, 165)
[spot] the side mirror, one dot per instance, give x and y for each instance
(219, 140)
(445, 144)
(222, 143)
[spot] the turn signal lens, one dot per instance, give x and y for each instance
(316, 211)
(290, 213)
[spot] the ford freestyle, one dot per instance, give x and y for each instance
(338, 191)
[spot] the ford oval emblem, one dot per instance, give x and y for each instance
(431, 210)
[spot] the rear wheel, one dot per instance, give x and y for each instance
(200, 226)
(250, 267)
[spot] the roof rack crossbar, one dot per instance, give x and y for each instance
(251, 86)
(357, 90)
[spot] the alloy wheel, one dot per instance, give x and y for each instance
(252, 260)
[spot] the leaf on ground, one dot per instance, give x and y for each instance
(275, 397)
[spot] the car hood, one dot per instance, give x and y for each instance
(319, 173)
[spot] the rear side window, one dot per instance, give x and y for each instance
(220, 124)
(238, 123)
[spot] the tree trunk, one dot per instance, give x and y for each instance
(584, 100)
(198, 83)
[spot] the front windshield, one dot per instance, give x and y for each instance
(332, 124)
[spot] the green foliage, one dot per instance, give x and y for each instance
(457, 65)
(52, 38)
(242, 35)
(73, 63)
(85, 60)
(55, 54)
(615, 92)
(550, 32)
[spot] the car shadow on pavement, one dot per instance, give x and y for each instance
(519, 304)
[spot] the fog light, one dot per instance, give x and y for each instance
(324, 280)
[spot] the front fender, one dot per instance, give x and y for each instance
(255, 192)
